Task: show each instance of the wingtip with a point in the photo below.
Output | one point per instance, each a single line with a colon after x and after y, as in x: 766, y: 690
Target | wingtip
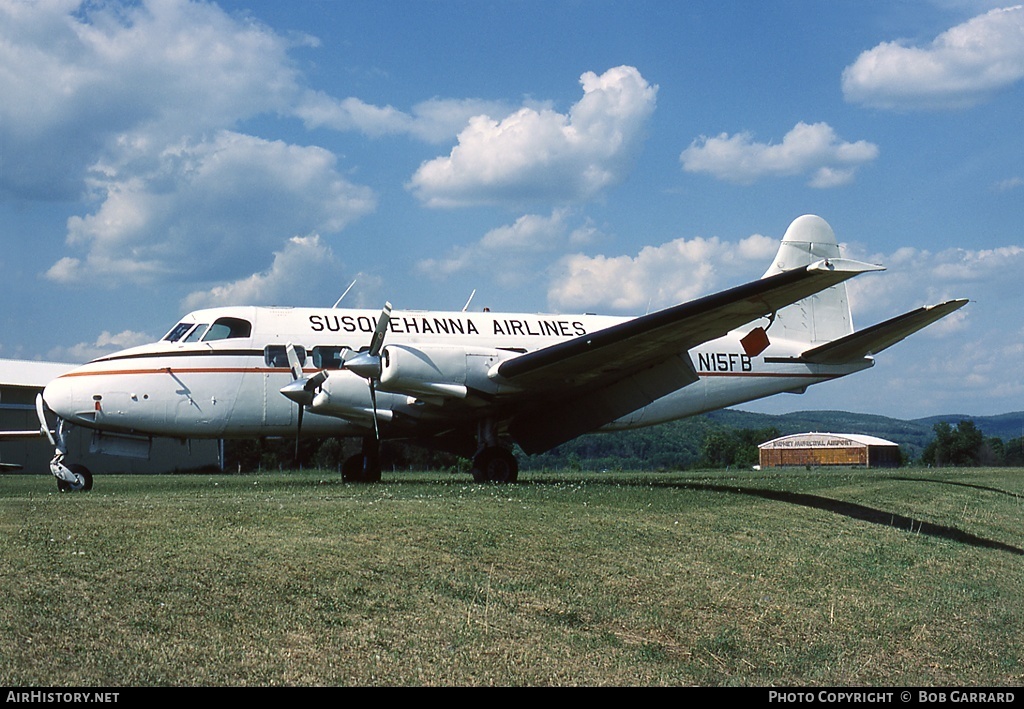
x: 844, y: 265
x: 949, y: 305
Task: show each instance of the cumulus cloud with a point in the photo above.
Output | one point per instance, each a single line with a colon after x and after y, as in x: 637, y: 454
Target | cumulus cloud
x: 658, y: 276
x: 510, y: 255
x: 78, y: 79
x: 130, y: 109
x: 813, y: 150
x: 434, y: 121
x: 916, y: 277
x: 968, y: 352
x: 304, y: 272
x: 540, y: 154
x: 684, y: 269
x: 105, y: 344
x: 207, y: 209
x: 960, y: 67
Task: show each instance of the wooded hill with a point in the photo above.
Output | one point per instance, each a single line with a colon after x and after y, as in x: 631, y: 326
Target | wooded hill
x: 681, y: 444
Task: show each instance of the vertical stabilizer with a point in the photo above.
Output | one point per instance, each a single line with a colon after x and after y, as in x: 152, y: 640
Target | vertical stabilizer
x: 822, y: 317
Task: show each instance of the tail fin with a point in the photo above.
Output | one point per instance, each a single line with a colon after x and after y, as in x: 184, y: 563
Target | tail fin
x: 822, y: 317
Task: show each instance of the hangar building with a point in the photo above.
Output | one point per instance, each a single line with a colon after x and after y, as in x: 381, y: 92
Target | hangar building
x: 21, y: 380
x: 823, y: 449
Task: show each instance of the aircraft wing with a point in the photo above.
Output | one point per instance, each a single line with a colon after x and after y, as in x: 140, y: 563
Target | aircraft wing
x: 594, y: 379
x: 879, y: 337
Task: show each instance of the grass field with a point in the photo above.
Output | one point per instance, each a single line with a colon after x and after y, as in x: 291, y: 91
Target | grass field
x: 798, y: 577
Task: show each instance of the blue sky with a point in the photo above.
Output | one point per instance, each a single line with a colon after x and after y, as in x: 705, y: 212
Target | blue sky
x: 611, y: 157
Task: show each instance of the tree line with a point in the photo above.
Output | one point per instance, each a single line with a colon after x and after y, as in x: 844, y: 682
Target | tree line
x: 965, y: 445
x: 694, y: 443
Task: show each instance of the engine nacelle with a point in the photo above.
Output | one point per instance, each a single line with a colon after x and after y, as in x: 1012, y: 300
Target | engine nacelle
x: 347, y: 396
x: 433, y: 371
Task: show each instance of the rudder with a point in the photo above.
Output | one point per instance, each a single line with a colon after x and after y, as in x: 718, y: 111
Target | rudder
x: 822, y: 317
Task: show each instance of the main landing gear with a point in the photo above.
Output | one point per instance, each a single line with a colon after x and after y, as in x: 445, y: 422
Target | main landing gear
x: 493, y: 462
x: 495, y: 465
x: 363, y: 467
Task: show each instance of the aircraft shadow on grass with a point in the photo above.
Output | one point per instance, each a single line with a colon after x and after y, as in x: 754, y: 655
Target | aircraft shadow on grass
x: 1015, y: 495
x: 861, y: 512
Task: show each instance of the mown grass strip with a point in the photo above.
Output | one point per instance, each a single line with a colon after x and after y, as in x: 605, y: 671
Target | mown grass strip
x: 908, y: 577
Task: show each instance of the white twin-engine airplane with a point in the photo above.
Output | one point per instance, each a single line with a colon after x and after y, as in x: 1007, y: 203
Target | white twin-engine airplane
x: 473, y: 383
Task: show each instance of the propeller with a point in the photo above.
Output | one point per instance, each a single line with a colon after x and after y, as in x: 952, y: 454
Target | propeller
x: 301, y: 389
x: 368, y: 364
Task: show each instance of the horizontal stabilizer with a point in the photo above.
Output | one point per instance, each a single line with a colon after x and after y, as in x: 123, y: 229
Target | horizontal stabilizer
x: 878, y: 337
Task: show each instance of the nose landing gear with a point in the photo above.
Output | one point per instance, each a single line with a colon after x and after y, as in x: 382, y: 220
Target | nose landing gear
x: 72, y: 477
x: 82, y: 478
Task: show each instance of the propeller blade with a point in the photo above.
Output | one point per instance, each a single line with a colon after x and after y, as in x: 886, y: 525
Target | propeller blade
x: 301, y: 390
x: 298, y: 432
x: 293, y: 361
x: 373, y: 401
x: 315, y: 382
x: 382, y: 327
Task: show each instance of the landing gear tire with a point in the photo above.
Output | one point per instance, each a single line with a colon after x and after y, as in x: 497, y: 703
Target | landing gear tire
x: 495, y: 465
x: 356, y: 470
x: 83, y: 480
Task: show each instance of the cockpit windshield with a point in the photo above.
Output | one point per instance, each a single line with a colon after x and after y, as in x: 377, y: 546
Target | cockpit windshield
x: 222, y: 329
x: 178, y: 331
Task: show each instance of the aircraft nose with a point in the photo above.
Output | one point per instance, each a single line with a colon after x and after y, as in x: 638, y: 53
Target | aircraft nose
x: 59, y: 397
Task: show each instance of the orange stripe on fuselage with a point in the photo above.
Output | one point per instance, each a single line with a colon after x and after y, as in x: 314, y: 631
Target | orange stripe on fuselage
x: 183, y: 370
x: 783, y: 375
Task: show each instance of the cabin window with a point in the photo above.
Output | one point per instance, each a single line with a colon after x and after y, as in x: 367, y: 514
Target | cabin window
x: 228, y: 328
x: 328, y: 357
x: 277, y: 355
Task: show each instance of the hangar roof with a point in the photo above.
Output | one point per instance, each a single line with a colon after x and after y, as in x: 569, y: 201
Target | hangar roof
x: 826, y: 440
x: 25, y: 373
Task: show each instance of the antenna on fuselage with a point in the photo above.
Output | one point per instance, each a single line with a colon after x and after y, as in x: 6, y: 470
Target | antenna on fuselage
x: 466, y: 306
x: 343, y: 295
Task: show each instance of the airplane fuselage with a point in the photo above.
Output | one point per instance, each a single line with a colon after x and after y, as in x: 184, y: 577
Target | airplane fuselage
x: 219, y: 373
